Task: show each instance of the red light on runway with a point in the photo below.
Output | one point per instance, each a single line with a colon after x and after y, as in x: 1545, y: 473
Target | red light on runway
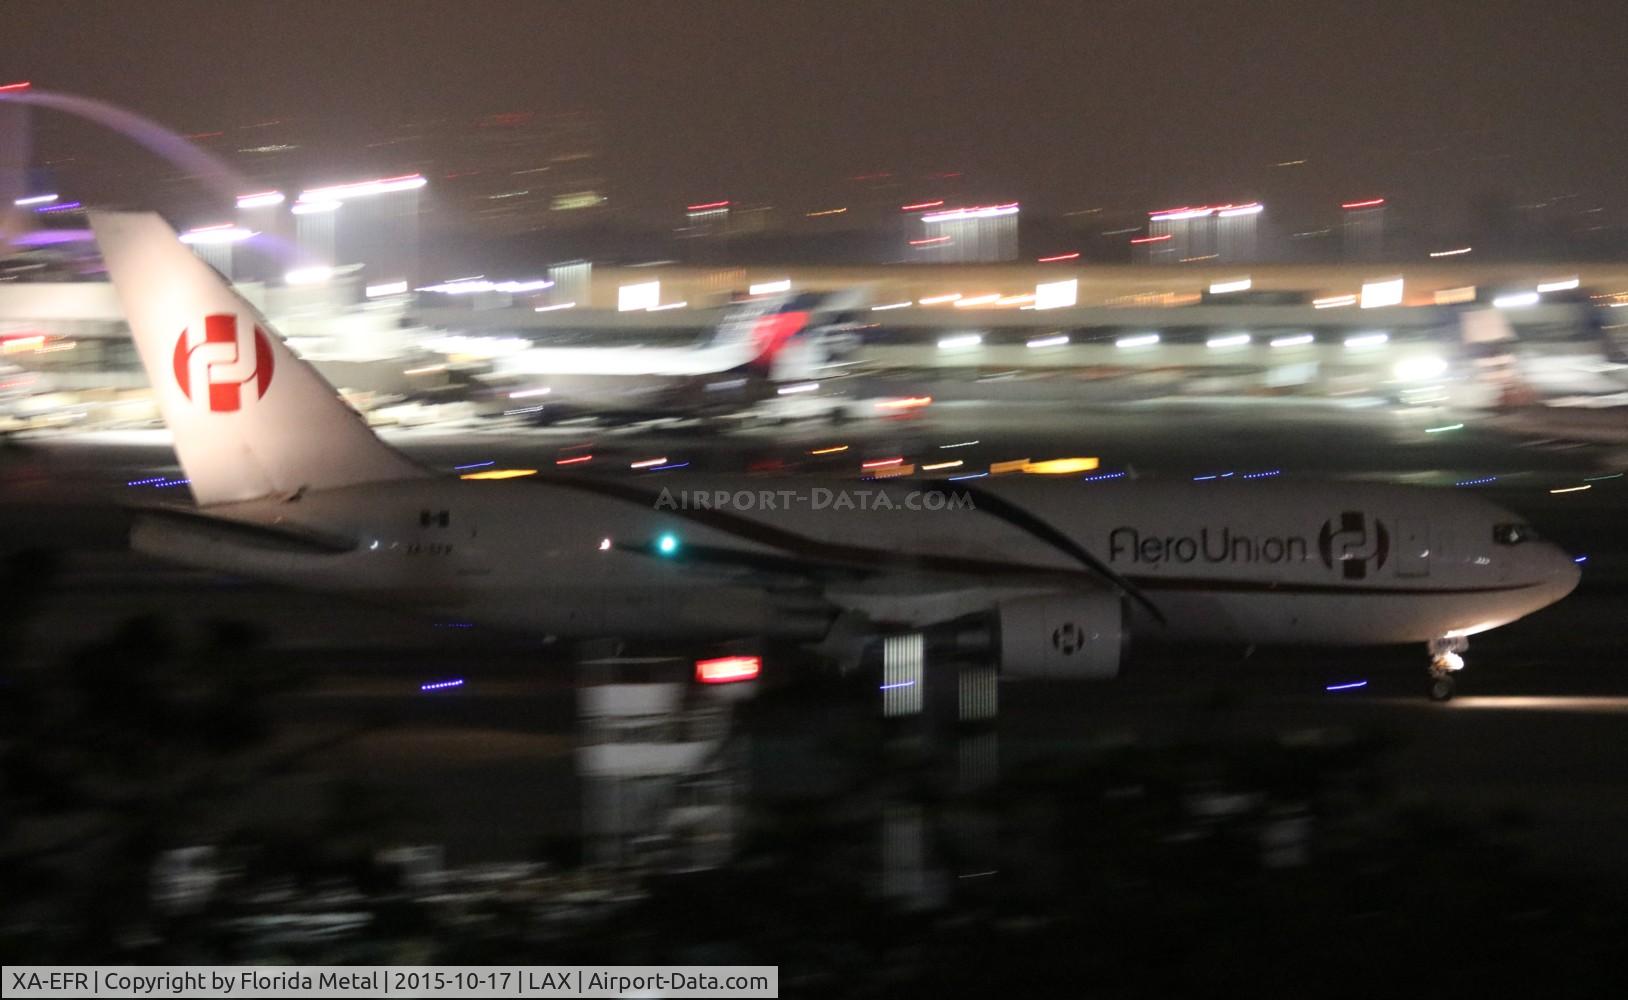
x: 901, y: 403
x: 728, y: 669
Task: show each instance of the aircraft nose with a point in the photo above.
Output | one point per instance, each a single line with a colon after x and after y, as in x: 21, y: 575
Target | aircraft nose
x: 1564, y: 571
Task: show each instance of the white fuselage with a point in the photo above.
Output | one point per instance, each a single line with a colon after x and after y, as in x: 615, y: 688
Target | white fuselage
x: 1260, y: 562
x: 723, y: 373
x: 632, y: 378
x: 659, y: 362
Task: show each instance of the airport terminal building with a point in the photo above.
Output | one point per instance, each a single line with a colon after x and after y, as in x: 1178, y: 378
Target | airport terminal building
x: 1282, y: 326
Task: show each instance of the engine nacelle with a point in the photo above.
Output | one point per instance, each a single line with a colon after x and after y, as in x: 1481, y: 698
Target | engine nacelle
x: 1062, y: 637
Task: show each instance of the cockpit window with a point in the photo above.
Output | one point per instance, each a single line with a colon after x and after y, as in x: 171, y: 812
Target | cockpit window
x: 1513, y: 534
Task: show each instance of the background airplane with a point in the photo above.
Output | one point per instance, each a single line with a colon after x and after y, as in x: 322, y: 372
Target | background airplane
x: 760, y: 345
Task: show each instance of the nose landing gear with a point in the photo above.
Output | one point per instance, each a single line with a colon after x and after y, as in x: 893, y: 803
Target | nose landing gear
x: 1445, y: 661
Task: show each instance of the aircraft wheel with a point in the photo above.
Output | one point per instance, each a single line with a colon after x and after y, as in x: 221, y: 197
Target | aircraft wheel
x: 1441, y: 687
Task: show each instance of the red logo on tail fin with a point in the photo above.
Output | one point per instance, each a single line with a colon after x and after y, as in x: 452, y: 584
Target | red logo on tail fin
x: 224, y: 357
x: 774, y: 330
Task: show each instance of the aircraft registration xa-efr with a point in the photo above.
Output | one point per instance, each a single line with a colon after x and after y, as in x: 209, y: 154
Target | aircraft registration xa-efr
x: 1044, y: 578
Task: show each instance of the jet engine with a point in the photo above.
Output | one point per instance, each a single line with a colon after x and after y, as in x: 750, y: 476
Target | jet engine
x: 1061, y: 636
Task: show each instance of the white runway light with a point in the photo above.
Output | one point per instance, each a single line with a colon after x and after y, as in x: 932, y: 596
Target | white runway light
x: 262, y: 199
x: 979, y: 212
x: 1419, y: 369
x: 640, y: 296
x: 308, y: 276
x: 207, y: 235
x: 1056, y: 294
x: 1378, y: 294
x: 1334, y: 301
x: 362, y: 189
x: 470, y: 286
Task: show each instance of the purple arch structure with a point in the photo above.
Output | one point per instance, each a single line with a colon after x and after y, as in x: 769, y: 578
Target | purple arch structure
x: 171, y: 145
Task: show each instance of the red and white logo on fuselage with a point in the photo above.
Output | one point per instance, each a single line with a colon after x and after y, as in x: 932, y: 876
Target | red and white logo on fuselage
x: 227, y: 357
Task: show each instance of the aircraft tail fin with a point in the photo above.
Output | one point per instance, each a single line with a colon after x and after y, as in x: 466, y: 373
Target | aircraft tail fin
x: 1489, y: 340
x: 250, y: 418
x: 763, y: 329
x: 1485, y: 326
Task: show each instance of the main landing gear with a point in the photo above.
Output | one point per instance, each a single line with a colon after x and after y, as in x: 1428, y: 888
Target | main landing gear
x: 1445, y: 661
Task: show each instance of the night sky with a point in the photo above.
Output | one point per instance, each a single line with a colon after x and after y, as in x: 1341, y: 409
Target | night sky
x: 1064, y: 105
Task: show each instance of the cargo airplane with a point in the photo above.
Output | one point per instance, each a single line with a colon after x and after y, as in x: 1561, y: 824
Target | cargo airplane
x: 1044, y: 578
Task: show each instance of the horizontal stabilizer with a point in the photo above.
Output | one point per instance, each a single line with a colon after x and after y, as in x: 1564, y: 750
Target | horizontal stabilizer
x: 199, y: 527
